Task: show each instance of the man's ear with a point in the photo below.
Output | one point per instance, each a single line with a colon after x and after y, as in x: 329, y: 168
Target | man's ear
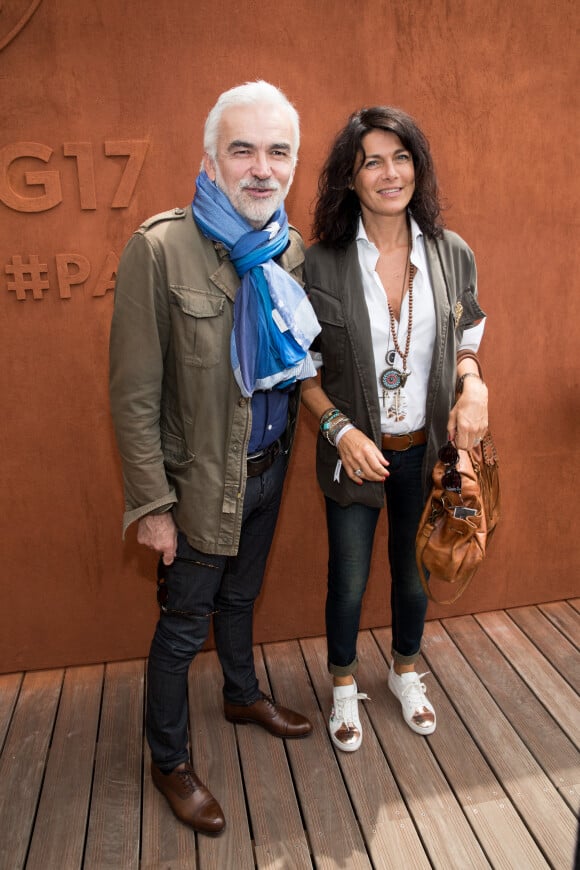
x: 209, y: 166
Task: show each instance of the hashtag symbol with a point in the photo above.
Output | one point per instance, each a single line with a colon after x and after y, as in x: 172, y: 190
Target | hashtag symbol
x: 27, y: 276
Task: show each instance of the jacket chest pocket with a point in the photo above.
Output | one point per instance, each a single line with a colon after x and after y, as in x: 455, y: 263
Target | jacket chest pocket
x: 199, y: 324
x: 332, y: 340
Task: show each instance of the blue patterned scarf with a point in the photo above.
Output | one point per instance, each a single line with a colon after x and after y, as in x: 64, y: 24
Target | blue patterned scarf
x: 274, y: 323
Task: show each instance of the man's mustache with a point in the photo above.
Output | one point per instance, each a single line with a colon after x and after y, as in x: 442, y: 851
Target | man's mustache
x: 259, y: 184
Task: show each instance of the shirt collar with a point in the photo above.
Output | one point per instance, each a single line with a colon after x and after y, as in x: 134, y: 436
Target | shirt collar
x: 361, y: 235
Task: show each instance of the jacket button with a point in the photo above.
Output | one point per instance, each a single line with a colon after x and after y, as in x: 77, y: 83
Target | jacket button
x: 243, y: 401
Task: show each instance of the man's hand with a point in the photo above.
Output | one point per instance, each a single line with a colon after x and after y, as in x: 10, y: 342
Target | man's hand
x: 159, y: 532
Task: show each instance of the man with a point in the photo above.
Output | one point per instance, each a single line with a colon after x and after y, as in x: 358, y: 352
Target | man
x: 209, y: 339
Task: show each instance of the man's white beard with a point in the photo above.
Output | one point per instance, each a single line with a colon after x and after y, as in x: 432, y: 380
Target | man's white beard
x: 255, y: 211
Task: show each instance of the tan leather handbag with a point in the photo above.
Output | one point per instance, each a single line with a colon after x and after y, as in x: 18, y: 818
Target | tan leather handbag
x: 459, y: 517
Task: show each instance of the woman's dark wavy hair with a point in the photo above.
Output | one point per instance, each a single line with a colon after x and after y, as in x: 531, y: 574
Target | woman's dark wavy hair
x: 337, y: 208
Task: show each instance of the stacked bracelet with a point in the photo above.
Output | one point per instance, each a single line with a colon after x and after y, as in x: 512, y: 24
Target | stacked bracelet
x: 331, y: 423
x: 327, y: 417
x: 342, y: 432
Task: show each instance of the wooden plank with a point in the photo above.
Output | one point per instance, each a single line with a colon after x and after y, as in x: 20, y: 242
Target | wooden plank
x: 335, y: 838
x: 503, y: 836
x: 544, y: 634
x: 23, y: 760
x: 566, y: 618
x: 443, y: 827
x: 167, y: 844
x: 394, y: 798
x: 279, y: 838
x: 390, y: 835
x: 543, y: 737
x: 114, y: 828
x: 543, y: 679
x: 551, y: 822
x: 60, y: 827
x: 215, y: 760
x: 9, y: 689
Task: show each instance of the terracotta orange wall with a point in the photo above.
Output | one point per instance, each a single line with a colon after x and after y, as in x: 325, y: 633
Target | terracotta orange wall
x: 102, y: 107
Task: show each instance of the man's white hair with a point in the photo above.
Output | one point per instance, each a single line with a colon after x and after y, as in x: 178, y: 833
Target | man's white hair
x: 251, y: 93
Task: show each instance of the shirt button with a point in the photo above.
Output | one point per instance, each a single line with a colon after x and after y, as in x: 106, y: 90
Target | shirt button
x: 269, y: 427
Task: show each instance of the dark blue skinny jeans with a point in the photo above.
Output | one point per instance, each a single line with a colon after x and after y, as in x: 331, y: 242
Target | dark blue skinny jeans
x: 351, y: 532
x: 200, y: 586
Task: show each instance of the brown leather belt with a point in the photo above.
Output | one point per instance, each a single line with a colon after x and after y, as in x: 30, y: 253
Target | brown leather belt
x: 403, y: 442
x: 260, y: 462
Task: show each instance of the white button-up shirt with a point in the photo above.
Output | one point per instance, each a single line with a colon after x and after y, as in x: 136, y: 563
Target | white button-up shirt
x: 422, y: 333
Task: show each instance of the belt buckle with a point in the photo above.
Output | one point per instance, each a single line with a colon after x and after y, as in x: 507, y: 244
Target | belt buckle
x: 408, y: 435
x: 265, y: 458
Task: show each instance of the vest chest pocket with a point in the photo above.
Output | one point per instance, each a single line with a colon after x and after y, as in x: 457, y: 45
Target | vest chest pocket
x: 332, y: 340
x: 198, y: 323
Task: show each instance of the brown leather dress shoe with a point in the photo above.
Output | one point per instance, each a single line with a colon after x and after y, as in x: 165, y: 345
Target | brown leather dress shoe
x: 276, y: 719
x: 189, y: 799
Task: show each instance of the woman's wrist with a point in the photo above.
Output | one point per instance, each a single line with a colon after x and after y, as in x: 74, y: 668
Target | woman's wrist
x: 332, y: 423
x: 461, y: 379
x: 463, y: 356
x: 346, y: 428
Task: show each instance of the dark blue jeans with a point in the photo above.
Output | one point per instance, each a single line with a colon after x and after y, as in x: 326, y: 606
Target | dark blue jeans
x: 200, y: 586
x: 351, y: 532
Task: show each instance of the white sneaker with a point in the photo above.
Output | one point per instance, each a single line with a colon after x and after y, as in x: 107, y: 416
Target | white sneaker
x: 344, y: 725
x: 418, y: 712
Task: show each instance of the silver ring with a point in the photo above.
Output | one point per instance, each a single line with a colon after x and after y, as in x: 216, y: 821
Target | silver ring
x: 358, y: 472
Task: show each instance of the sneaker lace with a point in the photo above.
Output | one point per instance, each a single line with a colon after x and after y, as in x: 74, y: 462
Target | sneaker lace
x: 346, y: 709
x: 414, y: 691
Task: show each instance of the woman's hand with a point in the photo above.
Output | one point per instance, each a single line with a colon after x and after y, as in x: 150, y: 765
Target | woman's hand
x: 468, y: 421
x: 356, y: 451
x: 359, y: 453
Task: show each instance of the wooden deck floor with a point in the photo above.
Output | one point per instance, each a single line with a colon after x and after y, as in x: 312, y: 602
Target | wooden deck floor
x: 497, y: 785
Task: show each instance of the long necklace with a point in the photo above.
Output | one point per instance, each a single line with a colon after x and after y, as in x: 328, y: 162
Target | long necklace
x: 392, y: 379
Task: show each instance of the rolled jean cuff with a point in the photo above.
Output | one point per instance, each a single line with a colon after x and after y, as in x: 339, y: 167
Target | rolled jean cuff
x: 343, y: 671
x: 405, y: 660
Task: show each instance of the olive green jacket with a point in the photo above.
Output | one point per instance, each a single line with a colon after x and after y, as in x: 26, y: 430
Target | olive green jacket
x: 181, y: 423
x: 334, y: 284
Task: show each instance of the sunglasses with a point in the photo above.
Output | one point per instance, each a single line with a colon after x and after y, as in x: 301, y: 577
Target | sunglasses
x: 449, y: 456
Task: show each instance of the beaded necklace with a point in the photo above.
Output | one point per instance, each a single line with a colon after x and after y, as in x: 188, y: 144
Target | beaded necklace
x: 392, y: 379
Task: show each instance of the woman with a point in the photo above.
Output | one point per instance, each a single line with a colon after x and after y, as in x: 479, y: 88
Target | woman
x: 396, y: 297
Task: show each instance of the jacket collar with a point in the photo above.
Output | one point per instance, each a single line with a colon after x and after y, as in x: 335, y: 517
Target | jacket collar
x: 226, y: 279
